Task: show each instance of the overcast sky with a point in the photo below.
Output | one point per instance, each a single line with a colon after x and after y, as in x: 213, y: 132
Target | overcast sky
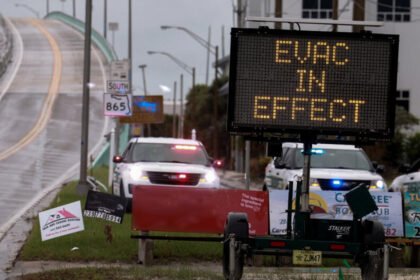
x: 148, y: 16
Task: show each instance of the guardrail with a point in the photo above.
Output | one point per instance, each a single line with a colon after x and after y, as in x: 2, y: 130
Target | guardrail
x: 79, y: 25
x: 6, y: 45
x: 103, y: 156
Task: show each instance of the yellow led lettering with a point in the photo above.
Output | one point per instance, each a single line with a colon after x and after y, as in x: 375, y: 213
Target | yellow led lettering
x: 313, y: 80
x: 301, y: 74
x: 308, y: 52
x: 295, y: 107
x: 337, y: 102
x: 357, y: 104
x: 282, y: 53
x: 321, y: 51
x: 258, y: 106
x: 315, y: 109
x: 334, y: 54
x: 276, y: 107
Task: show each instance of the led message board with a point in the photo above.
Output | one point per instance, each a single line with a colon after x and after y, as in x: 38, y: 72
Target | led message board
x: 322, y: 82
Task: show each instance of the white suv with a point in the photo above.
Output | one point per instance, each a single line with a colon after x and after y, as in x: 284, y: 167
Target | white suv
x: 333, y: 167
x: 163, y: 162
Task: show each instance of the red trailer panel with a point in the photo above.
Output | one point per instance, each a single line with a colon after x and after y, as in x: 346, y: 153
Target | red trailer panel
x: 188, y: 209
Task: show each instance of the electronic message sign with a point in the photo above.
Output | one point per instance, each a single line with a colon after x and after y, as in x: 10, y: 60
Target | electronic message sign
x: 327, y: 83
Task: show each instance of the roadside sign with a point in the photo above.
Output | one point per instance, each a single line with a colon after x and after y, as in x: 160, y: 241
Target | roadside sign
x: 119, y: 69
x: 62, y: 220
x: 146, y: 109
x: 412, y: 209
x: 117, y: 86
x: 117, y: 105
x: 105, y: 206
x: 326, y: 83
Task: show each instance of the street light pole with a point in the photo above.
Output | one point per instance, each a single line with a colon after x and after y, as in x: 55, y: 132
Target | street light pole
x: 83, y: 185
x: 105, y: 18
x: 142, y: 67
x: 174, y: 113
x: 48, y: 7
x: 181, y: 108
x: 143, y: 70
x: 213, y: 50
x: 74, y: 8
x: 35, y: 12
x: 188, y: 69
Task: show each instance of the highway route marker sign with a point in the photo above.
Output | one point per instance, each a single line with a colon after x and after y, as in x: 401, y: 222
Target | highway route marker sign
x: 118, y: 105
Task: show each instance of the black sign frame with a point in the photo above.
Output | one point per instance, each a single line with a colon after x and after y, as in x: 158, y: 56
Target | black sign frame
x: 237, y: 127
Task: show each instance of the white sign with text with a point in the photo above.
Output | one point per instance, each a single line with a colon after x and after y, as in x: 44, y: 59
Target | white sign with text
x: 332, y: 205
x: 62, y: 220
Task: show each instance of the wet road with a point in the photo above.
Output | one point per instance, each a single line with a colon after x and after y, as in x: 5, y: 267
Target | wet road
x: 40, y: 112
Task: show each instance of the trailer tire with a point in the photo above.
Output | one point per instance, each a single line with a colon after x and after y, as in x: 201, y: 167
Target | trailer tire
x: 373, y: 235
x: 372, y: 262
x: 237, y: 224
x: 372, y: 265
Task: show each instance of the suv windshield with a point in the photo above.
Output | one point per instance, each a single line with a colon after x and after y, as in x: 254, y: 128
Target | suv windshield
x: 332, y: 158
x: 155, y: 152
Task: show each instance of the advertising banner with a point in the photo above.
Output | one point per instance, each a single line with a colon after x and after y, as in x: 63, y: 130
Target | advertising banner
x: 333, y: 206
x: 62, y: 220
x: 412, y: 209
x: 105, y: 206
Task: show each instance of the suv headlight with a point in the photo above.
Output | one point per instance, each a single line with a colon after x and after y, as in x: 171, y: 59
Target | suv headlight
x: 210, y: 177
x: 377, y: 184
x: 313, y: 182
x: 137, y: 174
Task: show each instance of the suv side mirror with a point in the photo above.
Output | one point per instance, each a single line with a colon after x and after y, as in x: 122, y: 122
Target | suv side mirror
x: 117, y: 159
x: 278, y: 163
x: 218, y: 163
x: 380, y: 168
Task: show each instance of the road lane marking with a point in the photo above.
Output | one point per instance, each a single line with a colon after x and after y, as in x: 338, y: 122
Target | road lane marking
x: 53, y: 88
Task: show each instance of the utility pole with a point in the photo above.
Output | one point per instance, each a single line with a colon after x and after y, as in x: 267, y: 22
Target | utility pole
x: 278, y: 13
x: 240, y: 10
x: 215, y: 108
x: 358, y: 14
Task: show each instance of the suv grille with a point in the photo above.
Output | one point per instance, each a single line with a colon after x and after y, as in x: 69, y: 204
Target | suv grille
x: 326, y: 184
x: 169, y: 178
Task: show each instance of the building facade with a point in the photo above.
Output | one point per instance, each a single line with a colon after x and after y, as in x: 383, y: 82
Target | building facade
x: 400, y: 17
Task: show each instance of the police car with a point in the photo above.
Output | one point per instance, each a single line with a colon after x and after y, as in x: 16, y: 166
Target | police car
x: 333, y: 167
x: 162, y: 162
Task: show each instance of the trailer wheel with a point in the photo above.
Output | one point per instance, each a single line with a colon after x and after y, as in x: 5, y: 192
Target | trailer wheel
x: 373, y: 235
x: 372, y: 262
x: 237, y: 224
x: 372, y: 265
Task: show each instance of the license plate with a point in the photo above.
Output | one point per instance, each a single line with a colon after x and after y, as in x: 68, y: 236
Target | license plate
x: 307, y: 257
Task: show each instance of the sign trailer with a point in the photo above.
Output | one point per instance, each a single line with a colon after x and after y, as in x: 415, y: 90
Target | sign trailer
x: 316, y: 85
